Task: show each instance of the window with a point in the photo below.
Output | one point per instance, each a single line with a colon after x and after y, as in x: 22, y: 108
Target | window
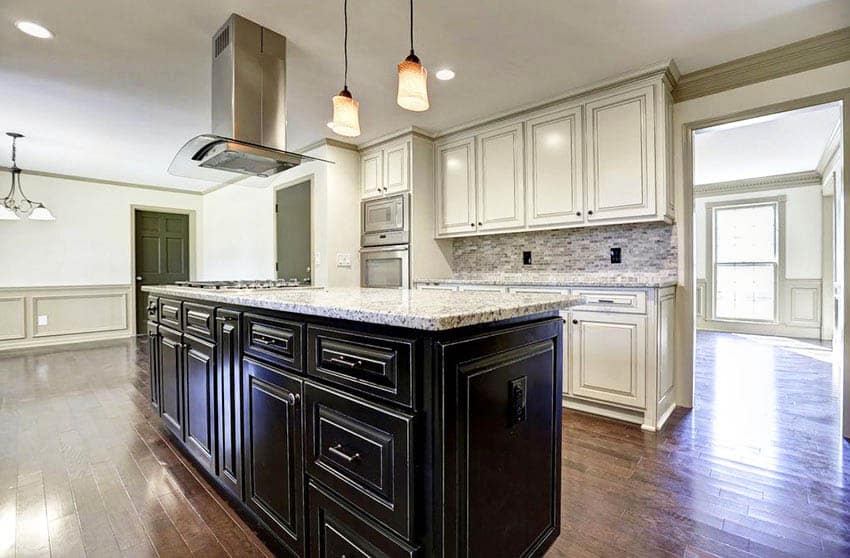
x: 746, y: 260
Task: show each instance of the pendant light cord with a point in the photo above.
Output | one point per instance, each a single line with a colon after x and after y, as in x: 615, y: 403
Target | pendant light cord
x: 345, y: 43
x: 411, y: 26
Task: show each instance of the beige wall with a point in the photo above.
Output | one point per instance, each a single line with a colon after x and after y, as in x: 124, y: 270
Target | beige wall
x: 727, y: 103
x: 90, y: 241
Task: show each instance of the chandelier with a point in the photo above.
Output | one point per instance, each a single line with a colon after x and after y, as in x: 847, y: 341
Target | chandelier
x: 13, y: 207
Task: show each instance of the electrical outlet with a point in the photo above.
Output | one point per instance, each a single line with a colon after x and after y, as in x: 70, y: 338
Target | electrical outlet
x: 343, y: 259
x: 526, y: 257
x: 616, y: 255
x: 42, y: 319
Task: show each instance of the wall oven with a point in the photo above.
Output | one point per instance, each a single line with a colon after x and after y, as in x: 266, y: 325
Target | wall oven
x: 386, y: 221
x: 385, y: 267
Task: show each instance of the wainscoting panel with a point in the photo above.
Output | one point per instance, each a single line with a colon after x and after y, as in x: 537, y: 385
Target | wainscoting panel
x: 37, y: 316
x: 13, y: 323
x: 804, y: 301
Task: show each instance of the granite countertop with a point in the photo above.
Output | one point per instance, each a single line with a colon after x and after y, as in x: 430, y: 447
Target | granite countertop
x: 415, y: 309
x: 637, y: 280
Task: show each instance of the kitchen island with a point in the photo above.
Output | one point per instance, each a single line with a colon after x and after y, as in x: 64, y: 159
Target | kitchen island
x: 369, y: 422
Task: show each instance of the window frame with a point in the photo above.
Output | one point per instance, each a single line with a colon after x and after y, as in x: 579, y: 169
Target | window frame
x: 778, y: 202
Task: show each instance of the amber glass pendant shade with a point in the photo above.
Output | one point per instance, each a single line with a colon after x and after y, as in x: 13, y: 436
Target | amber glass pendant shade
x: 346, y: 114
x: 412, y: 85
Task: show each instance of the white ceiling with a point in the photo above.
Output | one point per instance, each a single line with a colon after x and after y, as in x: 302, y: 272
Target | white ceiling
x: 125, y: 83
x: 777, y: 144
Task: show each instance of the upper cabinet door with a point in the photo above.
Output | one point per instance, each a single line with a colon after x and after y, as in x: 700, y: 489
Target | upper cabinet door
x: 554, y: 165
x: 455, y: 197
x: 501, y: 192
x: 396, y: 168
x: 621, y: 156
x: 372, y: 174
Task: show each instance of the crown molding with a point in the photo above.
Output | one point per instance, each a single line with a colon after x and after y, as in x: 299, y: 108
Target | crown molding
x: 808, y: 54
x: 329, y: 142
x: 408, y: 131
x: 759, y: 184
x: 830, y: 152
x: 107, y: 182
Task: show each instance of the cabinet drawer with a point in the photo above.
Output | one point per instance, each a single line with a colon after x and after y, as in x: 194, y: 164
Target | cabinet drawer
x: 198, y: 320
x: 152, y: 308
x: 274, y: 340
x: 170, y: 313
x: 630, y: 302
x: 374, y: 365
x: 337, y: 531
x: 364, y: 453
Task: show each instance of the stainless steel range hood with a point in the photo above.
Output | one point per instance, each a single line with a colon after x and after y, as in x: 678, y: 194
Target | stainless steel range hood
x: 248, y: 109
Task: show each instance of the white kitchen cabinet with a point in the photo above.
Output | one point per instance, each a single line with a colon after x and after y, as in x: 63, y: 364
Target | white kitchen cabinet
x: 554, y: 169
x: 608, y: 357
x: 372, y: 174
x: 396, y: 175
x: 483, y: 288
x: 621, y: 181
x: 455, y: 190
x: 385, y: 170
x: 501, y: 183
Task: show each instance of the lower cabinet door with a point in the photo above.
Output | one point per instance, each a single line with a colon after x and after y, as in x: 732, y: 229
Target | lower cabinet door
x: 153, y: 358
x: 199, y: 423
x: 229, y: 385
x: 608, y: 357
x: 337, y: 531
x: 501, y: 405
x: 274, y: 470
x: 171, y: 377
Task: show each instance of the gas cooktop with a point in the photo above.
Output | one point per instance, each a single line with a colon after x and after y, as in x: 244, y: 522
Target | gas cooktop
x: 245, y: 284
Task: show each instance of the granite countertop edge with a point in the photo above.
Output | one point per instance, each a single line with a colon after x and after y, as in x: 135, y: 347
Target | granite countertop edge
x: 636, y: 283
x: 275, y: 299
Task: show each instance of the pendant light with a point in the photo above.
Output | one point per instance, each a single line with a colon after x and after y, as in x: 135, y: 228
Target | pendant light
x: 346, y: 120
x: 412, y: 79
x: 12, y: 209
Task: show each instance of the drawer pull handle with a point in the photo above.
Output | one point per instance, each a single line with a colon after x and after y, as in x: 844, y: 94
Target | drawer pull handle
x: 337, y: 451
x: 346, y: 363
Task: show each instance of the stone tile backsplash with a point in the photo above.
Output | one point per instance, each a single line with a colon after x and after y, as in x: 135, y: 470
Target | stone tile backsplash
x: 646, y: 248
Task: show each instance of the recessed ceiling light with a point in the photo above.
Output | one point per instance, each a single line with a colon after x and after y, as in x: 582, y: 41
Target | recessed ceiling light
x: 331, y: 124
x: 34, y: 29
x: 445, y: 74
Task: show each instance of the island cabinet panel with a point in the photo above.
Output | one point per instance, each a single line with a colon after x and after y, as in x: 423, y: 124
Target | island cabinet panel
x: 367, y: 363
x: 337, y: 530
x: 364, y: 453
x: 199, y: 421
x: 274, y: 470
x: 621, y: 155
x: 155, y: 366
x: 502, y: 432
x: 274, y: 340
x: 171, y: 374
x: 171, y: 313
x: 198, y: 320
x: 229, y: 404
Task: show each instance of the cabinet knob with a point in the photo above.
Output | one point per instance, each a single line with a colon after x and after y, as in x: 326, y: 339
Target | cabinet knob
x: 590, y: 212
x: 578, y: 213
x: 292, y: 398
x: 575, y: 322
x: 472, y: 224
x: 480, y: 223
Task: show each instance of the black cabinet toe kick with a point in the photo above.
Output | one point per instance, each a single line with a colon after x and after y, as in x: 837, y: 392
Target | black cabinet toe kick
x: 347, y: 439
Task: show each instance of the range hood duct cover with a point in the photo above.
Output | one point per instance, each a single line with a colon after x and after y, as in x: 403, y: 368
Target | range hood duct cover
x: 248, y: 108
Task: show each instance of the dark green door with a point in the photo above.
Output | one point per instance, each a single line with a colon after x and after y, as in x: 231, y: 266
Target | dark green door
x: 292, y: 205
x: 162, y: 254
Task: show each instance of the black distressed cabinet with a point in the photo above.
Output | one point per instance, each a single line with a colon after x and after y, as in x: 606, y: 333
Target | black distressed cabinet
x: 339, y: 438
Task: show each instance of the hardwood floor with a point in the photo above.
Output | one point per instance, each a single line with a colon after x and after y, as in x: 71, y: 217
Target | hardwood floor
x: 757, y: 468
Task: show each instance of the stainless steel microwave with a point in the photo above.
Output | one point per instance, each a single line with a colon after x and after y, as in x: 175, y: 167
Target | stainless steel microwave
x: 386, y: 221
x: 386, y: 267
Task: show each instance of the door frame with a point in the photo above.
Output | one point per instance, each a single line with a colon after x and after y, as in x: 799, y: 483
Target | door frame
x: 311, y: 178
x: 688, y: 259
x: 193, y: 255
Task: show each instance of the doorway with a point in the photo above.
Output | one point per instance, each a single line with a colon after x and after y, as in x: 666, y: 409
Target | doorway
x: 161, y: 254
x: 293, y: 232
x: 766, y: 193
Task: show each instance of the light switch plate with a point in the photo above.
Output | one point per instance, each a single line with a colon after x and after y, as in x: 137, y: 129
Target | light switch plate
x: 343, y: 259
x: 42, y: 319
